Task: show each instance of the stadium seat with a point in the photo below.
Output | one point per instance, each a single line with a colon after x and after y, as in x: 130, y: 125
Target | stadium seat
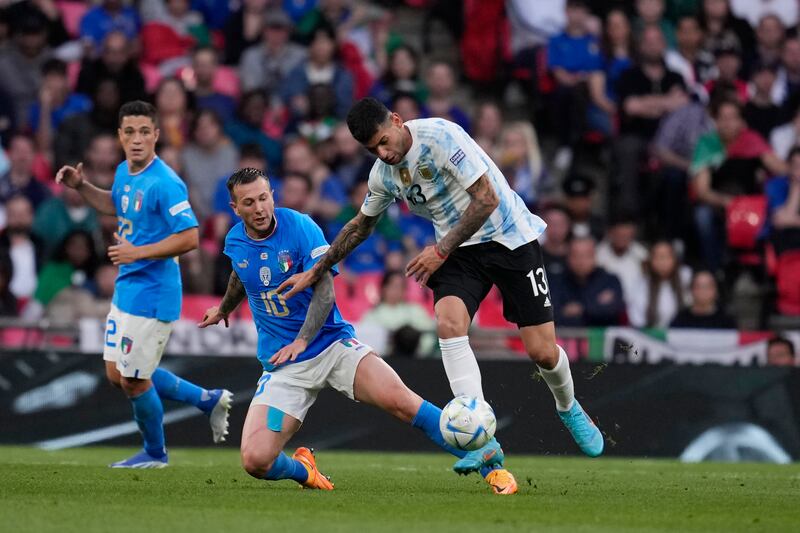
x: 490, y: 315
x: 73, y: 71
x: 195, y: 305
x: 745, y: 218
x: 226, y: 81
x: 71, y: 15
x: 152, y: 76
x: 788, y: 283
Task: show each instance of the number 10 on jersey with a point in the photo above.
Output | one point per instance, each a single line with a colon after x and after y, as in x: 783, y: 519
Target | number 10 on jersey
x: 274, y: 303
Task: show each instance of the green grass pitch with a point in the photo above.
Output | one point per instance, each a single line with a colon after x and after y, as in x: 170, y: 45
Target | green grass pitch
x: 206, y: 490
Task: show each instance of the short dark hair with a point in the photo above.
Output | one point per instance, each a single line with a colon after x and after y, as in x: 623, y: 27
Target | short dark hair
x: 365, y: 117
x: 242, y: 177
x: 781, y: 340
x: 716, y: 106
x: 138, y: 108
x: 54, y: 66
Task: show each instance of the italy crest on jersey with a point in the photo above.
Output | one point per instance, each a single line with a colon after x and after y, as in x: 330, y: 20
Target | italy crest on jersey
x: 284, y: 261
x: 137, y: 201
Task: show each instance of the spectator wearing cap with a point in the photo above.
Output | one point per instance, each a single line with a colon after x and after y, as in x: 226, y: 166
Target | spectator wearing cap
x: 620, y: 254
x: 760, y: 112
x: 571, y: 56
x: 647, y: 92
x: 689, y: 58
x: 586, y: 295
x: 321, y: 67
x: 19, y: 180
x: 205, y: 64
x: 579, y: 195
x: 116, y: 62
x: 56, y: 103
x: 244, y: 29
x: 728, y: 63
x: 725, y: 165
x: 21, y: 64
x: 110, y: 15
x: 267, y: 64
x: 780, y: 352
x: 705, y: 311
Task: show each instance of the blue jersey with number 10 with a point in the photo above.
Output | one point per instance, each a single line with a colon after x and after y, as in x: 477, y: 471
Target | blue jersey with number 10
x: 151, y: 205
x: 295, y: 245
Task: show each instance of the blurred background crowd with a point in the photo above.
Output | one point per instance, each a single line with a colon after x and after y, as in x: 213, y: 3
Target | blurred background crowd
x: 658, y: 139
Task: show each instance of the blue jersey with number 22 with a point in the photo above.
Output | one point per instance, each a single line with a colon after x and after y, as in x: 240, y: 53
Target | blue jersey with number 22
x: 295, y: 245
x: 151, y: 205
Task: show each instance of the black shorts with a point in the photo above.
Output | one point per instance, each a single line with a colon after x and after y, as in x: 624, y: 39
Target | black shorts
x: 470, y: 271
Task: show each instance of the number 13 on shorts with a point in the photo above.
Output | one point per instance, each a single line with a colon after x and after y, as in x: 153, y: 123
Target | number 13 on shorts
x: 538, y: 286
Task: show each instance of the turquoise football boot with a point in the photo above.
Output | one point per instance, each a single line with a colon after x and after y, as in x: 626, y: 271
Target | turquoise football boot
x: 490, y: 455
x: 583, y: 430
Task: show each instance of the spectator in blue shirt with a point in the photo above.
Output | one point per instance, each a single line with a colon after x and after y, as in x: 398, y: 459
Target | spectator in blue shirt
x: 205, y: 64
x: 585, y: 295
x: 109, y: 16
x: 572, y: 55
x: 55, y: 104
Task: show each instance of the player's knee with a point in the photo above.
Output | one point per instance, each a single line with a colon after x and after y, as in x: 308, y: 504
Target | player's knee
x: 448, y: 327
x: 257, y: 462
x: 544, y: 353
x: 134, y: 387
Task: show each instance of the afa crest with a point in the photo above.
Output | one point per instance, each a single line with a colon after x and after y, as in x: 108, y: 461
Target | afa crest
x: 405, y: 176
x: 425, y: 171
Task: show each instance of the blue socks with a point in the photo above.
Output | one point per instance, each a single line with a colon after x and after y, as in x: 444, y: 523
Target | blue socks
x: 284, y: 467
x: 149, y: 415
x: 171, y: 387
x: 427, y: 419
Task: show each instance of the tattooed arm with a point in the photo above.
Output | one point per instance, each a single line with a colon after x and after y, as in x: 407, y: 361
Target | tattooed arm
x: 234, y: 295
x: 318, y: 310
x: 484, y: 202
x: 352, y: 234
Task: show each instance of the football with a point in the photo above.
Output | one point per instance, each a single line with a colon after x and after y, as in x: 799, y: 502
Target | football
x: 467, y: 423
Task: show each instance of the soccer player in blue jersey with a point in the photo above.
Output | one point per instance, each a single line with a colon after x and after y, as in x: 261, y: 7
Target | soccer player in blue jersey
x: 304, y: 344
x: 155, y: 225
x: 485, y: 236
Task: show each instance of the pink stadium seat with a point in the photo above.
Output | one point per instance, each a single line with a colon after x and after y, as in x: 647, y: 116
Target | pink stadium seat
x: 745, y: 218
x: 194, y: 305
x: 71, y: 15
x: 73, y: 71
x: 152, y: 76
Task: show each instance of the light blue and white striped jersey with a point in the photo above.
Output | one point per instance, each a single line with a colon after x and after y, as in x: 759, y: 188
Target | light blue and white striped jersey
x: 433, y: 179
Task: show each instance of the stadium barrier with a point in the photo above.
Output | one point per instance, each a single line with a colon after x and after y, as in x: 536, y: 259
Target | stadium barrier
x: 61, y: 399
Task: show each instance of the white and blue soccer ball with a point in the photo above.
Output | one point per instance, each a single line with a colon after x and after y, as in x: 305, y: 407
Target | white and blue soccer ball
x: 467, y: 423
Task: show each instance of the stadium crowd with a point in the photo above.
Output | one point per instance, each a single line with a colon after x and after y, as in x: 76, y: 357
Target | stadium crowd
x: 658, y: 139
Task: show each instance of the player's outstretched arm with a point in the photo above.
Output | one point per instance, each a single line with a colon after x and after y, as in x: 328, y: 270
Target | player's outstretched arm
x: 99, y: 199
x: 352, y: 234
x: 318, y: 310
x: 234, y: 295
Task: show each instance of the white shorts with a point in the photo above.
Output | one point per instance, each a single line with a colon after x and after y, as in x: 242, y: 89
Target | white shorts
x: 293, y: 389
x: 135, y: 343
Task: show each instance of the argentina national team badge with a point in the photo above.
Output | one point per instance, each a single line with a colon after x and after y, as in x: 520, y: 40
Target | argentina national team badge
x: 124, y: 201
x: 126, y: 345
x: 405, y: 176
x: 284, y: 261
x: 425, y: 172
x: 265, y: 274
x: 137, y: 201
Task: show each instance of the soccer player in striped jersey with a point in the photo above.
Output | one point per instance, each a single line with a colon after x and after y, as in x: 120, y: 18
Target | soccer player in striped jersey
x: 485, y: 236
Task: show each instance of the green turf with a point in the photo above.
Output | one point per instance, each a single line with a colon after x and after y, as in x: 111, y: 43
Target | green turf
x: 206, y: 490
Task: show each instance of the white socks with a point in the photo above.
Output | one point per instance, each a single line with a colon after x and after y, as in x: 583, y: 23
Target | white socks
x: 559, y: 379
x: 462, y: 368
